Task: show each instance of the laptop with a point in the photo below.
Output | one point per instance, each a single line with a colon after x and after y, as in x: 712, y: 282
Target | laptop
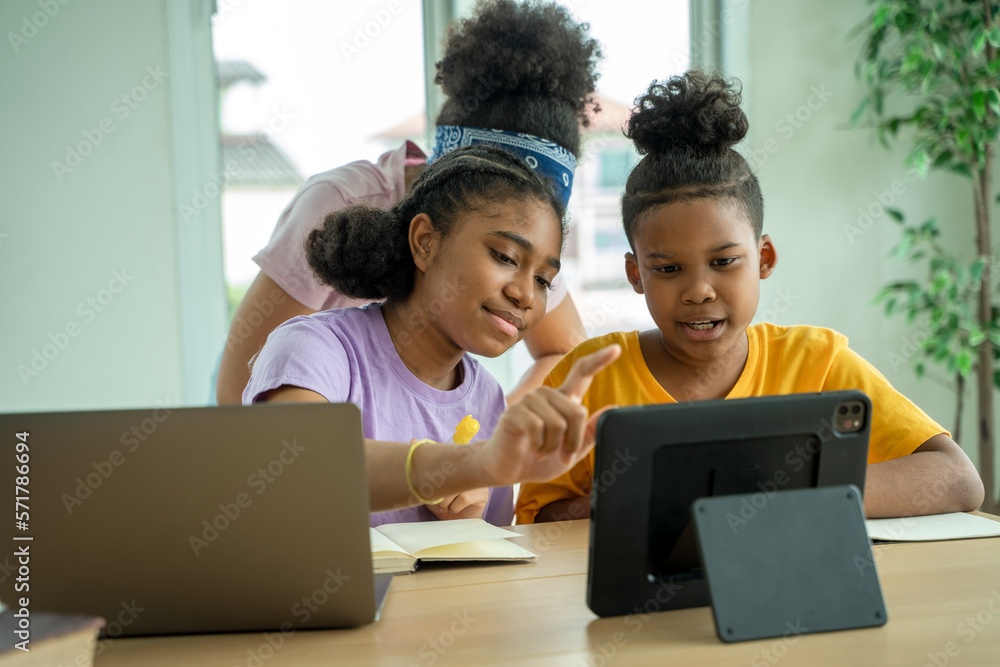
x: 190, y: 520
x: 653, y: 462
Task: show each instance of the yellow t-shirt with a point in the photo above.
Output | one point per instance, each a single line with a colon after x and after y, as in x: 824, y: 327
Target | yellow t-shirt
x: 781, y: 360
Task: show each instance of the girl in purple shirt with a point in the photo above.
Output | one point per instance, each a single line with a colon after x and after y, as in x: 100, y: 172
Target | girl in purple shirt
x: 465, y: 262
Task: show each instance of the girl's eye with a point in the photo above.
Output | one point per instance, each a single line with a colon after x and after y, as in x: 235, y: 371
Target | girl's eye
x: 544, y: 283
x: 503, y: 258
x: 725, y: 261
x: 671, y: 268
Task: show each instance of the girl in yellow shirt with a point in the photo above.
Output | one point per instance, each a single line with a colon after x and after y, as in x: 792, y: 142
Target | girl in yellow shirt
x: 693, y: 214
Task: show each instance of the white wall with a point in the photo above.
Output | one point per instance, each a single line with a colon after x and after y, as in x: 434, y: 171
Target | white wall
x: 65, y: 232
x: 816, y: 173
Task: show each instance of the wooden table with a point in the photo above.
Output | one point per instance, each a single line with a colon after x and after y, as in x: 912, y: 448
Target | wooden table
x: 943, y: 600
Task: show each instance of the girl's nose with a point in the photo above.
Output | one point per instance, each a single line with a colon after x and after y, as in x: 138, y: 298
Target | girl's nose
x: 521, y: 291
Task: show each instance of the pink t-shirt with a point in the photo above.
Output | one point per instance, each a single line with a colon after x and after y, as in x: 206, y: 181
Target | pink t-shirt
x: 380, y: 185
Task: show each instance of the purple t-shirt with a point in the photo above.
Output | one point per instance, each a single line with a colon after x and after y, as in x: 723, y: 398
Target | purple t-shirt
x: 346, y: 355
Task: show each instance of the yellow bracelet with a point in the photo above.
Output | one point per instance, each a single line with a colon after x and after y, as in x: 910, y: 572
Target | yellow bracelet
x: 409, y: 483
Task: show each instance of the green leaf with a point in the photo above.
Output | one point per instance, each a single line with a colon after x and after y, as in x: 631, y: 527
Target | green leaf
x: 976, y: 336
x: 918, y: 161
x: 979, y: 42
x: 859, y: 111
x: 895, y: 213
x: 880, y: 17
x: 964, y: 362
x: 942, y: 280
x: 976, y: 269
x: 993, y: 36
x: 942, y: 159
x: 993, y: 100
x: 963, y: 169
x: 979, y: 104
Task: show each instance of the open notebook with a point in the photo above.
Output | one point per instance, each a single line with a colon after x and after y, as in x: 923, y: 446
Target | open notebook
x: 953, y: 526
x: 397, y: 547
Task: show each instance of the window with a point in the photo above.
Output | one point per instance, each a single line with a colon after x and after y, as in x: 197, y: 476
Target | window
x: 312, y: 85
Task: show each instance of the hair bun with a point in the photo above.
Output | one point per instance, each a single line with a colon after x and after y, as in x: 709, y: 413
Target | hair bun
x: 361, y: 252
x: 697, y: 111
x: 519, y: 49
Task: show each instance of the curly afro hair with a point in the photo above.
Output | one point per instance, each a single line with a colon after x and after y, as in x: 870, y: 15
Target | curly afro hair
x: 521, y: 67
x: 686, y: 127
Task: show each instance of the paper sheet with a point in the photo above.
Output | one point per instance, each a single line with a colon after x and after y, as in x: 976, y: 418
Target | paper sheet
x: 954, y: 526
x: 417, y: 536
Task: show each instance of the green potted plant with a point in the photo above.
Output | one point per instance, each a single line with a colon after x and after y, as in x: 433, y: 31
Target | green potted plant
x: 931, y: 75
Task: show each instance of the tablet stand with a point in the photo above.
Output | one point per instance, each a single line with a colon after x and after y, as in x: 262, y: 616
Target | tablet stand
x: 788, y: 563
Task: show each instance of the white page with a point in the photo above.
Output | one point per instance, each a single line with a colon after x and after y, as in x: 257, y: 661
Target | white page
x: 381, y: 543
x: 954, y: 526
x: 420, y: 535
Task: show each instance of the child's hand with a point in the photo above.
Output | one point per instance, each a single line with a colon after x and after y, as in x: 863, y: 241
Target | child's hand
x: 465, y: 505
x: 547, y: 432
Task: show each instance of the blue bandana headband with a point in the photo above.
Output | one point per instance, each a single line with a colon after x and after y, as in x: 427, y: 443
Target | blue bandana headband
x: 545, y: 157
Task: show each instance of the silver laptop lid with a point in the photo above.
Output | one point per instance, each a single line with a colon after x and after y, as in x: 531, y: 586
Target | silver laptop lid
x: 190, y: 519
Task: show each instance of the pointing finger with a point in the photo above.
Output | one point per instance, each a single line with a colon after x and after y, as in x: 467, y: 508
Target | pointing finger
x: 580, y: 376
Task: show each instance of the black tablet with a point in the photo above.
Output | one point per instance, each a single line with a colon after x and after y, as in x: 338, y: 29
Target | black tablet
x: 652, y: 462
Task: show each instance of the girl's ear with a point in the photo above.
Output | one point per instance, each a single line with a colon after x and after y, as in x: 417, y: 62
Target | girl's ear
x: 768, y: 256
x: 632, y: 272
x: 423, y: 240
